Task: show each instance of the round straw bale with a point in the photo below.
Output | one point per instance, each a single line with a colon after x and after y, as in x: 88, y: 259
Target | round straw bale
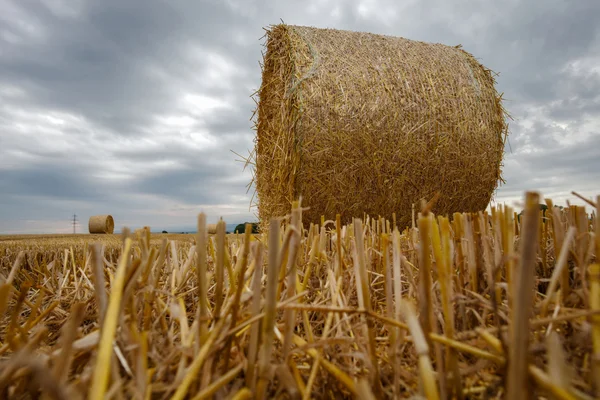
x: 212, y: 229
x: 362, y: 123
x: 101, y: 224
x: 142, y: 231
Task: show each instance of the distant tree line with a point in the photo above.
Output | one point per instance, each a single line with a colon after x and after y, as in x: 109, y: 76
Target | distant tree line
x: 241, y: 228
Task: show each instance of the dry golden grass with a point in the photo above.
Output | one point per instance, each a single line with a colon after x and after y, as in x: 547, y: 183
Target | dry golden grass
x: 479, y: 306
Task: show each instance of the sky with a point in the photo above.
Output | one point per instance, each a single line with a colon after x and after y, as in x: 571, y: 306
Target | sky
x: 138, y: 108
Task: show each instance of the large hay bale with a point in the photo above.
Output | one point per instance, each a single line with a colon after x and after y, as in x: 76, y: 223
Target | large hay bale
x: 101, y: 224
x: 362, y: 123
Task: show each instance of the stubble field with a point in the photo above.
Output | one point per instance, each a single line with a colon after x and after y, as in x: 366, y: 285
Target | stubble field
x: 472, y: 306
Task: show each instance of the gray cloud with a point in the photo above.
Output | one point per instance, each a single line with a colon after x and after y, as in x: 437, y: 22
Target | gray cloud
x: 135, y: 106
x: 54, y: 181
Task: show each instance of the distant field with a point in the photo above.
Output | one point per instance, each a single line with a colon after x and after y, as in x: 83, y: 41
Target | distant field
x: 69, y: 239
x: 45, y: 247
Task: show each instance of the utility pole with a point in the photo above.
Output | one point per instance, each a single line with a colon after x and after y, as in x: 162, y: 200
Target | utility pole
x: 74, y: 223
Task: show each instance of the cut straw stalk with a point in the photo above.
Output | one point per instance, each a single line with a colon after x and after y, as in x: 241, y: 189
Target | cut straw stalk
x: 425, y: 307
x: 508, y: 241
x: 334, y: 289
x: 460, y: 261
x: 194, y: 369
x: 264, y: 362
x: 561, y: 264
x: 542, y: 242
x: 397, y: 277
x: 142, y: 374
x: 597, y: 228
x: 340, y: 256
x: 15, y: 267
x: 5, y: 296
x: 364, y: 390
x: 595, y: 320
x: 109, y: 328
x: 68, y: 335
x: 558, y: 233
x: 220, y: 267
x: 335, y: 371
x: 519, y: 338
x: 39, y: 379
x: 201, y: 271
x: 223, y: 380
x: 34, y: 310
x: 242, y: 394
x: 395, y: 311
x: 314, y: 257
x: 595, y: 302
x: 426, y: 372
x: 290, y: 315
x: 471, y: 257
x: 254, y: 334
x: 22, y: 353
x: 445, y: 279
x: 557, y: 383
x: 241, y: 272
x: 287, y: 381
x: 364, y: 300
x: 427, y: 319
x: 496, y: 248
x: 543, y: 380
x: 100, y: 290
x: 389, y: 290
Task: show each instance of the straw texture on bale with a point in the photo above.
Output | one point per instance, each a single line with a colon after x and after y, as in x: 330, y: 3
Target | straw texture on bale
x: 101, y: 224
x: 361, y: 123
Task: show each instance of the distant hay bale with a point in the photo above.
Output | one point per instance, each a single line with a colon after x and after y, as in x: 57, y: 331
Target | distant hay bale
x: 142, y: 231
x: 101, y: 224
x: 212, y: 229
x: 362, y: 123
